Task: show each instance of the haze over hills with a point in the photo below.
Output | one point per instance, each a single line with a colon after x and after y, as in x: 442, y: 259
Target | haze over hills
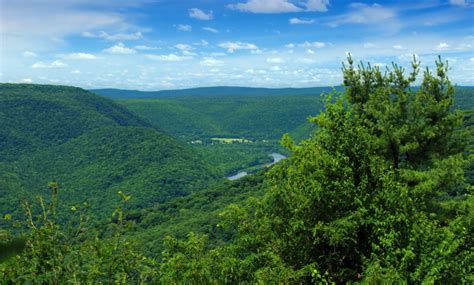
x: 212, y: 91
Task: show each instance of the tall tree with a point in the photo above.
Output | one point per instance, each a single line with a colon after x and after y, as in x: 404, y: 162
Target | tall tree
x: 361, y: 198
x: 364, y: 199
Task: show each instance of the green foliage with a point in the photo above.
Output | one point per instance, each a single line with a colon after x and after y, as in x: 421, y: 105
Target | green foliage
x: 469, y: 126
x: 56, y: 254
x: 377, y: 194
x: 260, y: 114
x: 37, y: 116
x: 92, y: 146
x: 368, y: 198
x: 228, y: 159
x: 251, y: 117
x: 197, y: 212
x: 221, y: 91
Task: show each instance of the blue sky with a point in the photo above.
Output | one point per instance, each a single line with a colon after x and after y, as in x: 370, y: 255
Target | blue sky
x: 164, y: 44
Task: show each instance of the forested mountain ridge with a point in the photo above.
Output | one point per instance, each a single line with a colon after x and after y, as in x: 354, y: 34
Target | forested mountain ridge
x: 35, y: 116
x: 262, y: 119
x: 91, y: 146
x: 376, y: 194
x: 212, y: 91
x: 253, y: 113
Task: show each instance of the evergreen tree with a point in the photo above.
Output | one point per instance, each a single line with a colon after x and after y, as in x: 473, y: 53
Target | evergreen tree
x: 365, y: 199
x: 362, y: 199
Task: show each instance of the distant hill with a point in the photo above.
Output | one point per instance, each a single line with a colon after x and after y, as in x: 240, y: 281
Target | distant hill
x: 212, y: 91
x: 92, y: 146
x: 254, y: 113
x: 37, y: 116
x: 464, y: 98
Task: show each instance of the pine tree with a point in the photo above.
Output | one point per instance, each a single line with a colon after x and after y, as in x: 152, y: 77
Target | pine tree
x: 365, y: 197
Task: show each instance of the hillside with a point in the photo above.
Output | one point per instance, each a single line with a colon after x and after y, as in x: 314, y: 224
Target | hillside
x: 258, y: 114
x: 92, y: 146
x: 378, y: 192
x: 247, y: 116
x: 254, y: 113
x: 37, y: 116
x: 213, y: 91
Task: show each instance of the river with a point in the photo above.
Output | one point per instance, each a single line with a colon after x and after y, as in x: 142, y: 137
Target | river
x: 276, y: 158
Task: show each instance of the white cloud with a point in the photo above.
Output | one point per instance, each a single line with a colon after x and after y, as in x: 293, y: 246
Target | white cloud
x: 266, y: 7
x: 442, y: 46
x: 297, y: 21
x: 119, y: 49
x: 364, y: 14
x: 317, y: 5
x: 76, y: 71
x: 312, y: 44
x: 143, y: 47
x: 310, y: 51
x: 54, y: 64
x: 29, y: 54
x: 280, y: 6
x: 184, y: 28
x: 275, y: 60
x: 472, y: 59
x: 169, y: 57
x: 233, y: 46
x: 47, y: 19
x: 114, y: 37
x: 398, y: 47
x: 290, y: 45
x: 79, y: 55
x: 200, y: 14
x: 209, y: 61
x: 211, y: 30
x: 27, y: 80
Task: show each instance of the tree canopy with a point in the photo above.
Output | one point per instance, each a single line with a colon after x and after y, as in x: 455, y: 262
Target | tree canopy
x: 376, y: 194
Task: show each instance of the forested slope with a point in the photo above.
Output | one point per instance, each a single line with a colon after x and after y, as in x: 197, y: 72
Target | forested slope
x: 247, y: 116
x: 221, y: 91
x: 377, y: 194
x: 254, y: 113
x: 92, y: 147
x: 261, y: 115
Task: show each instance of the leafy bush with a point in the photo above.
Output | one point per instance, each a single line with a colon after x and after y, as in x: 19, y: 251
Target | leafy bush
x: 56, y: 254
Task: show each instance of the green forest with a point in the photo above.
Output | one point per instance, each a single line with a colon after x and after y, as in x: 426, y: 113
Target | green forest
x: 125, y: 187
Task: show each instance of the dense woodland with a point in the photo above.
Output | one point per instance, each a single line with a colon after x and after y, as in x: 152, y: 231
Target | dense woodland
x: 377, y: 188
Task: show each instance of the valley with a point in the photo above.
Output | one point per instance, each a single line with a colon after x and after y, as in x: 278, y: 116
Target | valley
x: 182, y: 160
x: 236, y: 142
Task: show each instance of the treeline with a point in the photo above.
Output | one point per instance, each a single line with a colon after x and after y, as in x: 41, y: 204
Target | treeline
x: 93, y: 147
x: 245, y: 116
x: 376, y: 195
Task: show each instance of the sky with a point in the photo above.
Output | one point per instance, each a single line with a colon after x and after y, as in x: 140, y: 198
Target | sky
x: 174, y: 44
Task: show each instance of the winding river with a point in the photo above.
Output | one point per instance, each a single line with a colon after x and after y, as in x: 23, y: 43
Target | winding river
x: 276, y: 158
